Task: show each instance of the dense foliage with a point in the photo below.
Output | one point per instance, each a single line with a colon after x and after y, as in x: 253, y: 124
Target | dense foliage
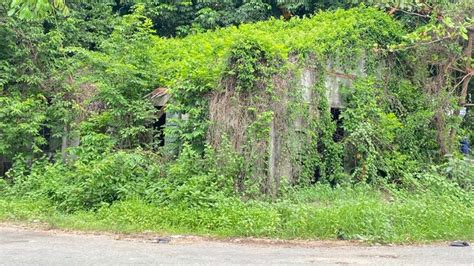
x: 78, y: 129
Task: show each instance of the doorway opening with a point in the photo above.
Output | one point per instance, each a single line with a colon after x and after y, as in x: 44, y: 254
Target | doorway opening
x: 336, y: 117
x: 159, y: 126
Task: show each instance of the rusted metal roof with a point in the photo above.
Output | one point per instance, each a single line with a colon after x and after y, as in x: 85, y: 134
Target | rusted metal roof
x: 158, y: 96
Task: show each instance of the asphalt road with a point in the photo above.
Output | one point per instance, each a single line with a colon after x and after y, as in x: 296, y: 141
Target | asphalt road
x: 38, y: 247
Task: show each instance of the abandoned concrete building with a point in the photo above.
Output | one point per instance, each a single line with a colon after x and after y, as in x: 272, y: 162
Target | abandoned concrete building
x: 276, y: 157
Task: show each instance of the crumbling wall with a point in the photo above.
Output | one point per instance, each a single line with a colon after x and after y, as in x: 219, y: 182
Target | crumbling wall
x: 293, y: 104
x: 233, y: 116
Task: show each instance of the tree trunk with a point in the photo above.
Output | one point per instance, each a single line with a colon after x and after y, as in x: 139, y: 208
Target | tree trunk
x: 469, y: 72
x: 285, y: 12
x: 442, y: 133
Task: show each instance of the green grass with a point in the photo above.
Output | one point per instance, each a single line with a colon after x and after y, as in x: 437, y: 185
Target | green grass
x: 316, y: 213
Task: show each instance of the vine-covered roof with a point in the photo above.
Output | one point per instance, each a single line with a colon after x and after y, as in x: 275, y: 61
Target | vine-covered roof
x: 201, y: 58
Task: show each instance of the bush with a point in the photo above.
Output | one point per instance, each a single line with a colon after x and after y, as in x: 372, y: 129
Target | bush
x: 101, y: 176
x: 133, y: 191
x: 460, y: 171
x: 196, y: 180
x: 88, y: 184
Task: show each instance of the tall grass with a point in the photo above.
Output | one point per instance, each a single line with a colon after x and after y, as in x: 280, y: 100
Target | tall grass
x: 320, y: 212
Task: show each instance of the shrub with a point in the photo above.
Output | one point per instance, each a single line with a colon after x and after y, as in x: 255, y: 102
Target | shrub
x: 102, y: 176
x: 88, y: 184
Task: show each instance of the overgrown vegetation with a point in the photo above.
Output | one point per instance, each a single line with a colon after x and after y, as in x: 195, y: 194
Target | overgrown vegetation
x: 343, y: 124
x: 320, y: 212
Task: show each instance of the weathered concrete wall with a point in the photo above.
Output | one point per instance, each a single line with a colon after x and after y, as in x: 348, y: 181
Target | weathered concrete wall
x: 282, y: 152
x: 336, y: 79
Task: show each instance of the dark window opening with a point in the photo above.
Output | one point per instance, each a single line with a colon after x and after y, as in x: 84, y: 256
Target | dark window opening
x: 433, y: 70
x: 159, y: 126
x: 337, y: 137
x: 46, y: 134
x: 316, y: 175
x: 5, y: 165
x: 336, y: 116
x: 50, y: 144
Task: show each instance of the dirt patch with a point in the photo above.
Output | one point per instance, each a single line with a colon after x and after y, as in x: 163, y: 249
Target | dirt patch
x: 152, y: 237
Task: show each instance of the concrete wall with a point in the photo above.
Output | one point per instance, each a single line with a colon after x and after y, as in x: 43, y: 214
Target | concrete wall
x: 279, y: 158
x: 280, y: 165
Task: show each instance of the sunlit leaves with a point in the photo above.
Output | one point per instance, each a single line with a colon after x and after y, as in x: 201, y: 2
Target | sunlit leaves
x: 37, y: 9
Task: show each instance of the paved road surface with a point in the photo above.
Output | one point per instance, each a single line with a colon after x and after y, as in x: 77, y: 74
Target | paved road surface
x: 25, y: 246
